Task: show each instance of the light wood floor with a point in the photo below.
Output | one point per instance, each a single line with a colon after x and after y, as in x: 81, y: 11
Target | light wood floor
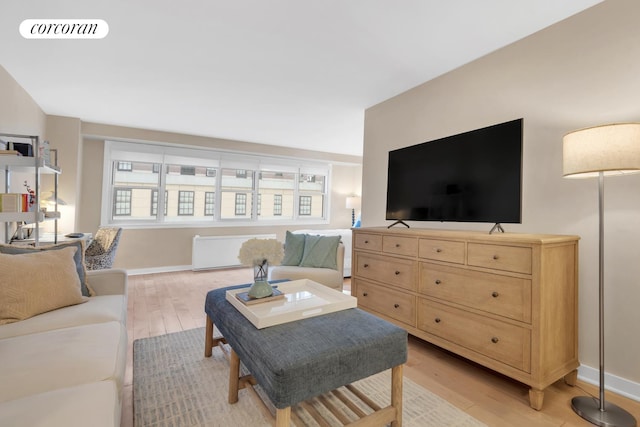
x: 172, y: 302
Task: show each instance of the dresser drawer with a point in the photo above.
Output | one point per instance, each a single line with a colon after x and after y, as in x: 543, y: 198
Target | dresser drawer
x: 393, y: 271
x: 372, y: 242
x: 501, y: 295
x: 500, y: 257
x: 508, y: 344
x: 400, y: 245
x: 397, y: 305
x: 442, y: 250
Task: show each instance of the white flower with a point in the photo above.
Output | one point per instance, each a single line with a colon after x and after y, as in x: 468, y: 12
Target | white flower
x: 258, y: 251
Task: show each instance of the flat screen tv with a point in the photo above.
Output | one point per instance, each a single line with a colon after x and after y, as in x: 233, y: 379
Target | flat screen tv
x: 475, y: 176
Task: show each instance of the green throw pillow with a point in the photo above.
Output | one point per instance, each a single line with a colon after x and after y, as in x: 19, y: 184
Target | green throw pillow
x: 293, y: 248
x: 320, y: 252
x: 78, y: 258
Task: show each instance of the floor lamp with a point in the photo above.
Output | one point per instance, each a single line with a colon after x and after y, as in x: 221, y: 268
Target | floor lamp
x: 598, y: 152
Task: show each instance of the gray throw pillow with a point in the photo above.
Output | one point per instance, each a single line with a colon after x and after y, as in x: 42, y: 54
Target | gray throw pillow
x: 293, y: 248
x: 320, y: 252
x: 78, y: 258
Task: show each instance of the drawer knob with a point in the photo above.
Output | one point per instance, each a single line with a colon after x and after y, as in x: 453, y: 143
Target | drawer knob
x: 364, y: 294
x: 495, y: 294
x: 397, y: 273
x: 396, y: 305
x: 438, y: 250
x: 366, y: 266
x: 438, y: 282
x: 437, y: 320
x: 366, y: 242
x: 495, y: 257
x: 495, y: 340
x: 397, y: 245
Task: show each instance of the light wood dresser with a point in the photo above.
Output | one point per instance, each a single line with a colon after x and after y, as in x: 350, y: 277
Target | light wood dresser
x: 506, y: 301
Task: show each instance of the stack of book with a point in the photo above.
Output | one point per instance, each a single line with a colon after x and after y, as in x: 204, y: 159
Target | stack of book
x: 17, y: 202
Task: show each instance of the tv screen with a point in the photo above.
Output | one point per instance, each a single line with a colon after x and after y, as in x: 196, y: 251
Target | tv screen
x: 475, y: 176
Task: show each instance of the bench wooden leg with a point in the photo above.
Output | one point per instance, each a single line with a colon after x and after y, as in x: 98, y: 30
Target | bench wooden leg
x: 208, y: 339
x: 396, y: 394
x: 283, y: 417
x: 234, y: 377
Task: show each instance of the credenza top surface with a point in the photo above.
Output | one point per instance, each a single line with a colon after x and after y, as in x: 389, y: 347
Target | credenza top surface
x: 483, y: 236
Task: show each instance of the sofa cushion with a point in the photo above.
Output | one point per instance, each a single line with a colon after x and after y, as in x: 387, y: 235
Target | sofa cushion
x: 320, y: 252
x: 37, y: 282
x: 78, y: 258
x: 293, y: 248
x: 94, y: 404
x: 324, y: 276
x: 42, y: 362
x: 98, y: 309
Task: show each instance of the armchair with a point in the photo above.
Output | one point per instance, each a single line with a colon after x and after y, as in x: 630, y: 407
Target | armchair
x: 102, y: 250
x: 326, y: 276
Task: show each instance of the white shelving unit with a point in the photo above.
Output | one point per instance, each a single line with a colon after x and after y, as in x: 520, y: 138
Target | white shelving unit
x: 29, y: 165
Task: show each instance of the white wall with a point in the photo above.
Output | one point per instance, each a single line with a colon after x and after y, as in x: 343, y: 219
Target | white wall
x: 581, y: 72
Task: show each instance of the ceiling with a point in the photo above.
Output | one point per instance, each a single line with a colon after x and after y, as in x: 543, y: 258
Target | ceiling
x: 295, y: 73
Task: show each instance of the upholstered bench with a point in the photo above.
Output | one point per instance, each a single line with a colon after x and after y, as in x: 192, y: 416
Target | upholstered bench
x: 296, y: 361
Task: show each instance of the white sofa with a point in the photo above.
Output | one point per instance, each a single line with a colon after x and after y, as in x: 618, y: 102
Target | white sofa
x: 66, y: 367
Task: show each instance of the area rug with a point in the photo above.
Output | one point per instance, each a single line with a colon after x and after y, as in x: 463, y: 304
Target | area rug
x: 175, y: 385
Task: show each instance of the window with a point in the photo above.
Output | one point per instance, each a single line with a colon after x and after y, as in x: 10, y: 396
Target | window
x: 122, y: 202
x: 187, y: 170
x: 241, y: 204
x: 138, y: 180
x: 204, y: 186
x: 305, y: 205
x: 313, y: 192
x: 185, y: 202
x: 154, y: 203
x: 234, y: 189
x: 277, y: 191
x: 209, y: 203
x: 186, y: 187
x: 125, y: 166
x: 277, y: 204
x: 259, y: 204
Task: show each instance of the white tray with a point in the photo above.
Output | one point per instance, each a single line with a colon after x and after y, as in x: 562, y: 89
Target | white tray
x: 303, y: 298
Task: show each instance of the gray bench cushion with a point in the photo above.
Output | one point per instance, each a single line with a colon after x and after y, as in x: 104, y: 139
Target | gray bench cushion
x: 295, y: 361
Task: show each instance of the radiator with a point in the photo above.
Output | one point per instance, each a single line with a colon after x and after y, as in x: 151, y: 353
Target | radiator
x: 219, y: 251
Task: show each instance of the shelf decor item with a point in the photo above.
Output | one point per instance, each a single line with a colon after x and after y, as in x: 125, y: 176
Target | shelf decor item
x: 598, y: 152
x: 259, y: 253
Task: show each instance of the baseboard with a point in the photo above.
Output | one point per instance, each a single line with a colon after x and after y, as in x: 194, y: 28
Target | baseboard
x: 153, y: 270
x: 613, y: 383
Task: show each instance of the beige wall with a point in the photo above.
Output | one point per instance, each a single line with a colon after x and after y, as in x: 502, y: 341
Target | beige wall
x: 578, y: 73
x: 162, y: 248
x: 19, y: 115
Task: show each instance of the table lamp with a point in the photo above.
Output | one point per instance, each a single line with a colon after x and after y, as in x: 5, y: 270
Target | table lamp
x: 353, y: 203
x: 598, y: 152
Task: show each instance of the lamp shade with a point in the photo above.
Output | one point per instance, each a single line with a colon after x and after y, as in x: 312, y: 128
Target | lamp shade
x: 353, y: 202
x: 612, y: 149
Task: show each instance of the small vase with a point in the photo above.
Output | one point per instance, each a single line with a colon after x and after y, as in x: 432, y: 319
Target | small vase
x: 260, y: 288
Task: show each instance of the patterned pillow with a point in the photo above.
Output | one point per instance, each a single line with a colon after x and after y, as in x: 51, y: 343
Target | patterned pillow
x: 78, y: 258
x: 293, y: 248
x: 320, y: 252
x: 37, y: 282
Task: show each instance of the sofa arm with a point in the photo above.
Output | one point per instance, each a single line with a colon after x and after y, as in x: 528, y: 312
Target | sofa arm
x: 112, y: 281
